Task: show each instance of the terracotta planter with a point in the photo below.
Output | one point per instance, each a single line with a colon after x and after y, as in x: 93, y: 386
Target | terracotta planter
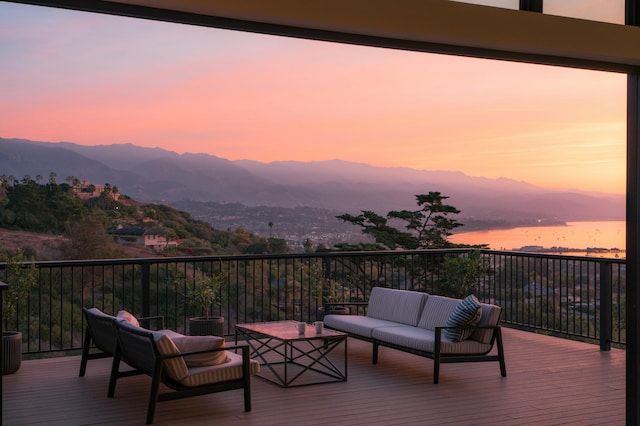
x: 201, y: 326
x: 11, y: 351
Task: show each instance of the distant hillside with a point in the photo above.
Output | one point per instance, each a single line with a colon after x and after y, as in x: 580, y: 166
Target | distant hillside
x: 157, y: 175
x: 81, y: 222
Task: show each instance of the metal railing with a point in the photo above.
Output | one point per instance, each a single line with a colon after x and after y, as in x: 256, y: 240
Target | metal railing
x: 573, y: 297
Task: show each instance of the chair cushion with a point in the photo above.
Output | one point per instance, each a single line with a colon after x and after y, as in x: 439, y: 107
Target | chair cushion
x: 126, y: 316
x: 175, y: 368
x: 231, y: 370
x: 467, y: 313
x: 201, y: 343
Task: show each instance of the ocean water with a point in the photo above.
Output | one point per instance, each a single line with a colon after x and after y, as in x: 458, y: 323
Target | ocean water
x: 575, y: 235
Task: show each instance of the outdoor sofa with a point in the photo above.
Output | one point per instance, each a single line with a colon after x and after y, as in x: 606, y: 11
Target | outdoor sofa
x: 441, y: 328
x: 187, y: 365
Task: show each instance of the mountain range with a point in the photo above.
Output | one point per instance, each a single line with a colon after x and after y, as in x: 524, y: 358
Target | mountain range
x: 158, y: 175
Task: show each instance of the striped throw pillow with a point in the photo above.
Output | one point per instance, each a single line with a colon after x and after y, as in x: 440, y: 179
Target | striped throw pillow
x: 467, y: 313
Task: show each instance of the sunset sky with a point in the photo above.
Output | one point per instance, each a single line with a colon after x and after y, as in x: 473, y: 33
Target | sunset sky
x: 95, y: 79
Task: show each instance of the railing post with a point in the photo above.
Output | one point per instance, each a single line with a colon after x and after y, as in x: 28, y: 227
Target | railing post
x: 3, y: 287
x: 605, y: 306
x: 146, y: 289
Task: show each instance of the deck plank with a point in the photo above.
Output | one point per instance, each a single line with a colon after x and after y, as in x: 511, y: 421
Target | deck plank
x: 550, y: 381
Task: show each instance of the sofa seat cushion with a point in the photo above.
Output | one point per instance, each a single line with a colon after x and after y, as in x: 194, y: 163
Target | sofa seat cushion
x: 201, y: 343
x: 467, y: 313
x: 425, y: 340
x: 230, y: 370
x: 357, y: 324
x: 399, y: 306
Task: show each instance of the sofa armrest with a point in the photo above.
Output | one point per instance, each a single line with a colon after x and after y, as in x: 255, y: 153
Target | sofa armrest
x: 438, y: 332
x: 329, y: 305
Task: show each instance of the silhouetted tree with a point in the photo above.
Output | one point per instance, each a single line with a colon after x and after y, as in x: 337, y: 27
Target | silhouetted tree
x: 427, y: 227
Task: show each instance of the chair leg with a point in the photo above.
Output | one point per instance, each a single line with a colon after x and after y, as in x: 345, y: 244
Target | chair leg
x: 246, y: 378
x: 115, y: 367
x: 85, y: 352
x: 153, y: 394
x: 436, y: 356
x: 375, y: 352
x: 503, y: 366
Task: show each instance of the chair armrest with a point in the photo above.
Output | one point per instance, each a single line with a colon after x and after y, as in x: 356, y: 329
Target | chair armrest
x: 222, y: 348
x: 159, y: 322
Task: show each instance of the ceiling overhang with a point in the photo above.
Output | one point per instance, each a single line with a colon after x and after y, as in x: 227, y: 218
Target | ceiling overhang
x: 438, y: 26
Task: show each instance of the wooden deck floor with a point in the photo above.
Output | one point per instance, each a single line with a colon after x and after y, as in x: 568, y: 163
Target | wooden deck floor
x: 549, y: 381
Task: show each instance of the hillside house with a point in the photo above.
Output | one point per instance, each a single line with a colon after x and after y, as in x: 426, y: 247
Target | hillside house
x: 86, y: 190
x: 153, y: 238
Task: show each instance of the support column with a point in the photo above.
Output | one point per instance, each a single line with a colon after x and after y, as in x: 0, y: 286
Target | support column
x: 633, y: 250
x: 632, y: 17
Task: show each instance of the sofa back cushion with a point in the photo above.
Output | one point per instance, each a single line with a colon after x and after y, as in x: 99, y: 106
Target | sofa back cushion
x: 437, y: 311
x: 396, y: 305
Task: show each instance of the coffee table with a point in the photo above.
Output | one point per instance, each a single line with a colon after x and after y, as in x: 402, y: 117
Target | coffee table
x: 292, y: 359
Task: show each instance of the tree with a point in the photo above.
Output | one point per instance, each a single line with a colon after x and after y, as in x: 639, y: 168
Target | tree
x: 427, y: 227
x: 88, y: 239
x: 22, y: 278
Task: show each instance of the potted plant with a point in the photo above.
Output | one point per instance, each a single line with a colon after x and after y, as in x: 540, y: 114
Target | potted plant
x: 329, y: 291
x: 21, y: 279
x: 205, y: 294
